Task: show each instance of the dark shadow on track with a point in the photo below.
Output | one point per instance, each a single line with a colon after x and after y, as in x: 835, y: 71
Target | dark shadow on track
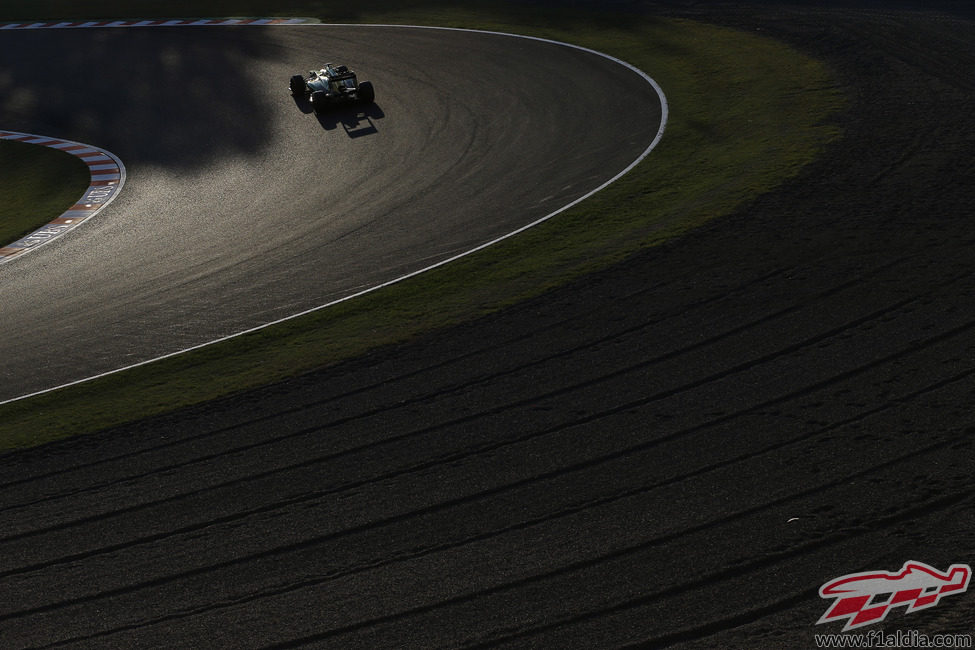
x: 303, y: 103
x: 356, y: 121
x: 170, y: 77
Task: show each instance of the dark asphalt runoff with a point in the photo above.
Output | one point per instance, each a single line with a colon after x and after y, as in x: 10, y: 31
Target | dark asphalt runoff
x: 242, y: 207
x: 676, y: 452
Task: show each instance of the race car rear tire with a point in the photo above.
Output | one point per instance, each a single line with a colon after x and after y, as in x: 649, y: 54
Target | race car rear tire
x: 297, y: 85
x: 366, y: 93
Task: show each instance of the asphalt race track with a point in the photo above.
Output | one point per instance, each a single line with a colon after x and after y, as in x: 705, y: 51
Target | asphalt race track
x: 676, y: 462
x: 241, y: 207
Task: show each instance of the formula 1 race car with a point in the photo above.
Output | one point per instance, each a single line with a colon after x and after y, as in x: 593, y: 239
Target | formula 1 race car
x: 333, y: 85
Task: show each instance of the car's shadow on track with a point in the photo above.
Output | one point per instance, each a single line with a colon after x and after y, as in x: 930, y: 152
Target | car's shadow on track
x: 356, y: 121
x: 303, y: 103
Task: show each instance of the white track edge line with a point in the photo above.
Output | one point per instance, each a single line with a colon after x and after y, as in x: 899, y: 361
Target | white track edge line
x: 664, y: 115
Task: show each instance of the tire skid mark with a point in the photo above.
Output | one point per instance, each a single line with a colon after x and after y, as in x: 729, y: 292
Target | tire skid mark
x: 107, y: 176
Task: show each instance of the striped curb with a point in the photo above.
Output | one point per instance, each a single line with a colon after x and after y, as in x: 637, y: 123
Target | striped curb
x: 205, y: 22
x: 107, y: 177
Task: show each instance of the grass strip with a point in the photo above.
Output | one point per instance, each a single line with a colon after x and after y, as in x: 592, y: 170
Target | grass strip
x: 39, y: 184
x: 747, y: 113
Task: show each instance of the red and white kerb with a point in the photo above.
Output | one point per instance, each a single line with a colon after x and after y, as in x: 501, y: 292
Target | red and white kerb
x: 107, y: 175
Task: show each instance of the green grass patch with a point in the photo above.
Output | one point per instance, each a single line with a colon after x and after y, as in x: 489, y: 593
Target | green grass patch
x: 747, y: 114
x: 39, y: 184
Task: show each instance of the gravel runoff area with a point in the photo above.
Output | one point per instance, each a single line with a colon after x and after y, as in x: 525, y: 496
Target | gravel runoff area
x: 677, y: 451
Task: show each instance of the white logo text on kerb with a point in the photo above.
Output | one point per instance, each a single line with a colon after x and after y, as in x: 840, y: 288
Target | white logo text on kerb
x: 866, y: 598
x: 99, y: 194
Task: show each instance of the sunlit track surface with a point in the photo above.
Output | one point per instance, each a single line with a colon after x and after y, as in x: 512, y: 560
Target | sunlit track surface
x: 680, y: 450
x: 241, y: 207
